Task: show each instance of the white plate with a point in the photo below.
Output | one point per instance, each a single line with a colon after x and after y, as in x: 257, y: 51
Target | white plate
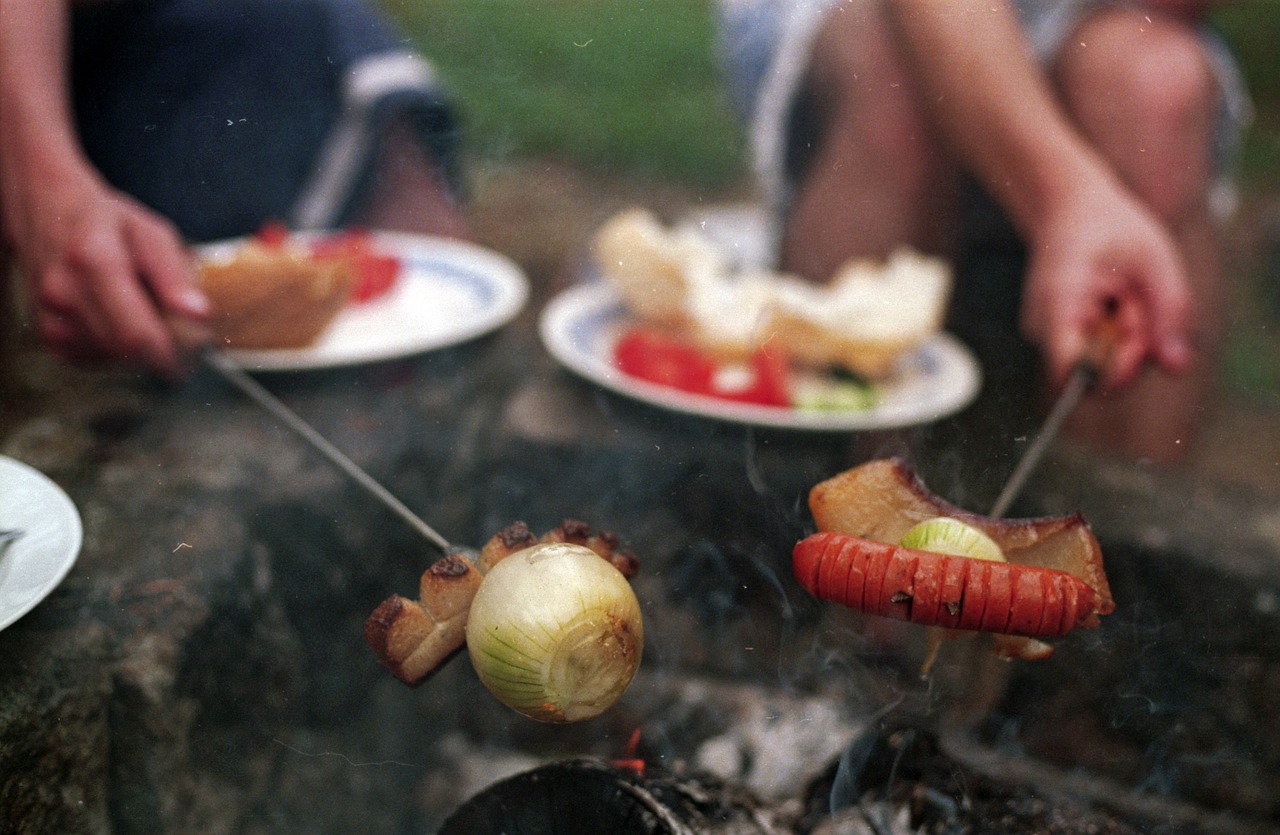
x: 37, y: 562
x: 580, y: 326
x: 449, y: 292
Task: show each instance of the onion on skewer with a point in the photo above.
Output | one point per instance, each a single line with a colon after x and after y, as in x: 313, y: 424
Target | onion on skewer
x: 555, y: 633
x: 587, y: 605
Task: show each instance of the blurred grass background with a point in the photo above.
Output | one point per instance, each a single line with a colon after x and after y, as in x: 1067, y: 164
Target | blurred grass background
x: 618, y: 86
x: 631, y: 88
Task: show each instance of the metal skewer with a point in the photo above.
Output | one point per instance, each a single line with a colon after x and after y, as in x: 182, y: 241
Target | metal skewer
x: 250, y: 387
x: 1104, y: 337
x: 1077, y: 384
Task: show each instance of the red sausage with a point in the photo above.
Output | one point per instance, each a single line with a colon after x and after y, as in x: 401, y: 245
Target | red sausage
x: 934, y: 589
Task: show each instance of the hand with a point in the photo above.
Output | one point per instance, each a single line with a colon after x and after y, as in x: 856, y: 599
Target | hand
x: 1104, y: 256
x: 108, y: 278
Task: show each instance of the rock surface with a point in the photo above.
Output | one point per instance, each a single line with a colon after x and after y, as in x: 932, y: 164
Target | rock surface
x: 202, y: 668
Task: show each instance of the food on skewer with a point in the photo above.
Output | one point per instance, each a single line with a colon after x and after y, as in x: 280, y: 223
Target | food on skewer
x: 1021, y: 579
x: 555, y: 632
x: 413, y: 638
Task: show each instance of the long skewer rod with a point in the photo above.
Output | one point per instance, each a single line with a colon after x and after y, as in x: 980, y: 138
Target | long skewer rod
x: 1077, y: 384
x: 254, y: 390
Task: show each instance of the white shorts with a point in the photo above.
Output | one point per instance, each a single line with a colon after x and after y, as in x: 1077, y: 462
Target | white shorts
x: 765, y: 47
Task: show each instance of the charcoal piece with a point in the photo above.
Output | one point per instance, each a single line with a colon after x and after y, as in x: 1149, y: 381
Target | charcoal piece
x: 589, y: 797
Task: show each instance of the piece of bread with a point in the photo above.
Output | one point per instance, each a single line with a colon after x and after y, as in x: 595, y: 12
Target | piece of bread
x: 274, y: 296
x: 652, y: 267
x: 414, y: 638
x: 868, y: 316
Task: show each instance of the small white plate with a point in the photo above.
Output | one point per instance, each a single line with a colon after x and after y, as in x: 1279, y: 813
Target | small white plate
x: 580, y: 326
x: 448, y: 292
x: 37, y: 562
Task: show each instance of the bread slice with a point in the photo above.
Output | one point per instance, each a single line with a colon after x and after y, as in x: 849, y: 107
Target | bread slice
x: 274, y: 296
x: 868, y: 316
x: 653, y: 267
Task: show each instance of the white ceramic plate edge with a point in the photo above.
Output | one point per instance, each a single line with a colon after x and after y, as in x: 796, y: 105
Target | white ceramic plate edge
x: 48, y: 570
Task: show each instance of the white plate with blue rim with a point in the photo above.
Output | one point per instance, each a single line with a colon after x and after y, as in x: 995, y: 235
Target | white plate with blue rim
x: 448, y: 292
x: 581, y: 325
x: 35, y: 562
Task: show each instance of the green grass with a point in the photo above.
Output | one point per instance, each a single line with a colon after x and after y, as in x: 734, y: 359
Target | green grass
x: 1251, y: 364
x: 1252, y: 28
x: 612, y: 85
x: 1251, y: 357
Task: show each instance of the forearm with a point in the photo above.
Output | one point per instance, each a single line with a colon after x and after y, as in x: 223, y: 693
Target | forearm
x: 38, y: 145
x: 994, y: 106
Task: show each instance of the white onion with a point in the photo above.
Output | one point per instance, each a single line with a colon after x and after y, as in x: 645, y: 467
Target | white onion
x: 555, y: 633
x: 945, y: 535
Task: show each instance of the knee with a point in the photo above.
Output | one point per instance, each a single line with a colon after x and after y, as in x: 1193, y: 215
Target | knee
x: 1151, y: 108
x: 1174, y: 96
x: 1170, y: 86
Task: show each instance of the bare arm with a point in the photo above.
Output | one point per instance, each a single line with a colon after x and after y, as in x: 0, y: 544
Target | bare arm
x: 1091, y: 243
x: 108, y: 277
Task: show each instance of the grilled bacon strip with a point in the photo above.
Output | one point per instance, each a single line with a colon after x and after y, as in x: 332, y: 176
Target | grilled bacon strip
x: 414, y: 638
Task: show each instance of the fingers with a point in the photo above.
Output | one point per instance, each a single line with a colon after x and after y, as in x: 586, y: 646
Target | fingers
x: 66, y: 335
x: 1151, y: 314
x: 1170, y: 312
x: 93, y: 304
x: 1118, y: 316
x: 1119, y: 343
x: 167, y: 267
x: 168, y: 271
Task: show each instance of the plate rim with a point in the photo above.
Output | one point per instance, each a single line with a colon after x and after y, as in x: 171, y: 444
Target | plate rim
x: 61, y: 567
x: 591, y: 296
x: 502, y: 272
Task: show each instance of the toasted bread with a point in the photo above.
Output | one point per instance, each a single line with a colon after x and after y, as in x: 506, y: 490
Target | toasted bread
x: 274, y: 296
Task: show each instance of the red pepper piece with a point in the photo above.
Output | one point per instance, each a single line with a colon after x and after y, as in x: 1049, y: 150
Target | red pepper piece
x: 771, y: 385
x: 658, y: 358
x: 376, y: 272
x: 272, y: 233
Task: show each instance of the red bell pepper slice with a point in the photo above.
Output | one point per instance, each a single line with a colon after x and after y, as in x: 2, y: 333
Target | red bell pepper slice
x: 376, y: 272
x: 771, y: 383
x: 273, y: 234
x: 655, y: 357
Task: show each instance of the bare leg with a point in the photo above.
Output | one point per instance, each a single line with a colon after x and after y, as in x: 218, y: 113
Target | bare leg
x: 1140, y: 86
x: 878, y: 177
x: 410, y: 194
x: 8, y: 321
